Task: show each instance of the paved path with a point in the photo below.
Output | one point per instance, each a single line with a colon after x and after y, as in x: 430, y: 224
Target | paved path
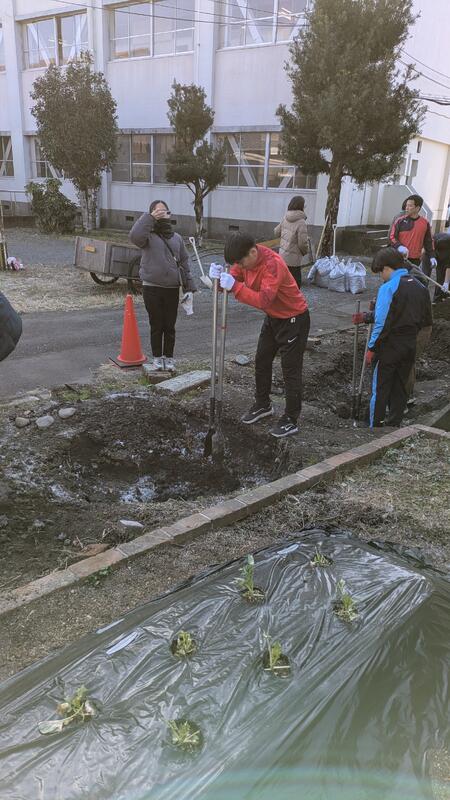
x: 64, y: 347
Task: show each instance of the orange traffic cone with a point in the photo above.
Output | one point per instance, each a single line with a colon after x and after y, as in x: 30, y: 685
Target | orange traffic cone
x: 131, y: 354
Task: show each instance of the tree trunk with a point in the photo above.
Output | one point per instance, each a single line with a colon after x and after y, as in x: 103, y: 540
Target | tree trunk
x: 88, y: 204
x: 198, y: 210
x: 332, y: 209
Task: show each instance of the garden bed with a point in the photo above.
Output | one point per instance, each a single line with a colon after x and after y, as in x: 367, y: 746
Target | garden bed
x: 340, y: 724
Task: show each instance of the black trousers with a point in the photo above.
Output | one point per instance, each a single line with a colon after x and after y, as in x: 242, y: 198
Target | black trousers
x: 390, y: 381
x: 162, y: 310
x: 296, y: 272
x: 443, y: 264
x: 289, y: 336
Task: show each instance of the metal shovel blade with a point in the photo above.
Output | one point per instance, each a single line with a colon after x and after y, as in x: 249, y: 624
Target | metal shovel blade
x: 205, y: 279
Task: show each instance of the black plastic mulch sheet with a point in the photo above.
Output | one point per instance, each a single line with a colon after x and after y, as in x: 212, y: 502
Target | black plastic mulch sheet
x: 359, y: 718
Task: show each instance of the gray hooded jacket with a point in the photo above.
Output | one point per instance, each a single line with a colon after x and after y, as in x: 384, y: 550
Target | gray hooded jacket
x: 158, y: 266
x: 293, y: 235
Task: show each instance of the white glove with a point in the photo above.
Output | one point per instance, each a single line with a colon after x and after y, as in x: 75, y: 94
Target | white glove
x: 403, y: 250
x: 187, y: 301
x: 226, y: 281
x: 445, y: 287
x: 433, y: 262
x: 215, y: 271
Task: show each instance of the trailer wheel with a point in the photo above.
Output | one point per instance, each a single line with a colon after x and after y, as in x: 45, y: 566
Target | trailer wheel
x: 103, y: 281
x: 134, y: 283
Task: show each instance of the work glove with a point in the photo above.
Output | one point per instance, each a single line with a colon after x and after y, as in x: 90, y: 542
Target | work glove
x: 226, y: 281
x: 403, y: 250
x: 365, y: 317
x: 370, y: 355
x: 433, y: 262
x: 215, y: 271
x: 445, y: 287
x: 187, y: 301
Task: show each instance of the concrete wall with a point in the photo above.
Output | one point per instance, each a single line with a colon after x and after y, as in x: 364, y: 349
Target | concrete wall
x: 245, y: 85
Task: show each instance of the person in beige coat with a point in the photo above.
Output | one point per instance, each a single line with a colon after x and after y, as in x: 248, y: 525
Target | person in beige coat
x: 293, y: 235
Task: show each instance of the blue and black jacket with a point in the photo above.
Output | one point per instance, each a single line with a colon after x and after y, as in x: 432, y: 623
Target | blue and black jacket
x: 403, y: 307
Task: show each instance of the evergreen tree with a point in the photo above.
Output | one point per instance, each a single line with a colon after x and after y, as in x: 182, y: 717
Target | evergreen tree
x: 76, y: 125
x: 353, y: 110
x: 193, y: 161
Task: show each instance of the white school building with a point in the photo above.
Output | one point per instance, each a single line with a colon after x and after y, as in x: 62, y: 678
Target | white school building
x: 236, y: 50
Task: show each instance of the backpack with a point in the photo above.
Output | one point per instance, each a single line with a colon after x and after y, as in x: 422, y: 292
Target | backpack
x: 10, y: 327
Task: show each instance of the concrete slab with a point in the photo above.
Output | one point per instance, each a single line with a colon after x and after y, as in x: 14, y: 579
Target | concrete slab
x: 185, y: 382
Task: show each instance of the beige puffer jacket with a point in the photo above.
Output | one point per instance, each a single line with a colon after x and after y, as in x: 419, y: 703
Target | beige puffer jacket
x: 293, y: 235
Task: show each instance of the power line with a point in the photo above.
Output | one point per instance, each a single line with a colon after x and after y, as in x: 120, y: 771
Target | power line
x: 437, y: 114
x: 214, y: 14
x: 424, y: 76
x: 440, y: 101
x: 421, y: 63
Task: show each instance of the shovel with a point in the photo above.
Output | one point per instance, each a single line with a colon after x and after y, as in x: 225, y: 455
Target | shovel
x: 207, y: 450
x: 361, y: 380
x: 355, y: 362
x: 218, y: 441
x: 205, y: 279
x: 418, y: 272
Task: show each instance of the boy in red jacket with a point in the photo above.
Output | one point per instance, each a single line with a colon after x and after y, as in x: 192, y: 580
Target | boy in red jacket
x: 260, y: 278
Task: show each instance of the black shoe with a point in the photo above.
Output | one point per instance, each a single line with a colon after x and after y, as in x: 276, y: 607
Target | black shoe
x: 255, y: 413
x: 284, y: 427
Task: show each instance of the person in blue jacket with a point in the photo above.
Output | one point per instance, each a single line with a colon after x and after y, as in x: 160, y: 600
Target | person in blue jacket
x: 402, y: 309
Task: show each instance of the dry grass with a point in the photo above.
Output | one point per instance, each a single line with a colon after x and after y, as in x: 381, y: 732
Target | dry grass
x: 403, y: 498
x: 58, y: 288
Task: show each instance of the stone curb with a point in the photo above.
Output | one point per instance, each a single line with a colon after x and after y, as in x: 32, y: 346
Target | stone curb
x: 214, y: 517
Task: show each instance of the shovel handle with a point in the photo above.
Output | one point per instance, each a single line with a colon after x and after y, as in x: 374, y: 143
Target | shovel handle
x: 214, y: 340
x: 194, y: 247
x: 223, y: 330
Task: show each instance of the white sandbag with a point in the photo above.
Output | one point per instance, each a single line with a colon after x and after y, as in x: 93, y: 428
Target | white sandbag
x: 336, y: 278
x: 355, y: 277
x: 320, y: 270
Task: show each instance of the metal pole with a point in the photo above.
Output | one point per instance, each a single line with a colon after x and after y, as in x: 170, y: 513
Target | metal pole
x: 355, y: 361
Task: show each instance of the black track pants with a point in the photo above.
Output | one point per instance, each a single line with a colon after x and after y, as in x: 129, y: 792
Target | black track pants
x: 162, y: 309
x: 289, y: 336
x: 390, y: 384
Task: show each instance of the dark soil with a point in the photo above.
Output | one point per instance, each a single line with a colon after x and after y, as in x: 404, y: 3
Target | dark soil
x: 139, y: 457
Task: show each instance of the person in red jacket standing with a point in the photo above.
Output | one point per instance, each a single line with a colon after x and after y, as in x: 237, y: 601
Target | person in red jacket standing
x: 410, y: 233
x: 260, y: 278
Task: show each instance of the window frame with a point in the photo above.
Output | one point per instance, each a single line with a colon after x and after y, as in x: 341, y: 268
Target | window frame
x: 56, y: 19
x: 131, y: 181
x: 50, y: 171
x: 2, y: 48
x: 224, y: 27
x: 5, y: 150
x: 179, y: 27
x: 309, y: 179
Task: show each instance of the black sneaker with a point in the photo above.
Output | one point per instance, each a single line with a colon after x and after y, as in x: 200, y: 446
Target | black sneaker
x: 255, y: 413
x: 284, y: 427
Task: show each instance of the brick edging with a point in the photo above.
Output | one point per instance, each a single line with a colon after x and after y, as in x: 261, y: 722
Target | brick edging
x: 218, y: 516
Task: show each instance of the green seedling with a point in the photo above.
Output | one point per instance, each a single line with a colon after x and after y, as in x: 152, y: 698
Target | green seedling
x: 185, y: 734
x: 345, y: 606
x: 246, y: 582
x: 97, y: 578
x: 320, y: 560
x: 184, y: 645
x: 275, y: 659
x: 75, y: 709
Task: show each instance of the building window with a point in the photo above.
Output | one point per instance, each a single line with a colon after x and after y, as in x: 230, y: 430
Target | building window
x: 152, y: 29
x: 141, y: 157
x: 419, y: 146
x: 40, y: 167
x: 253, y: 160
x: 271, y: 21
x: 56, y: 40
x: 281, y: 175
x: 2, y: 49
x: 6, y: 157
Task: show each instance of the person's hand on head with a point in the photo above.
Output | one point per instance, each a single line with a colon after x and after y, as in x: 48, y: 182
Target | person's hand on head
x: 159, y: 213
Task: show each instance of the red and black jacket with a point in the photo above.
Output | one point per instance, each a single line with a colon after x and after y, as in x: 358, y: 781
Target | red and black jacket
x: 414, y: 234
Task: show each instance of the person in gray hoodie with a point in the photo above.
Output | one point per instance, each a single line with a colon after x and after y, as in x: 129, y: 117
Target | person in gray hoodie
x: 164, y: 268
x: 293, y: 235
